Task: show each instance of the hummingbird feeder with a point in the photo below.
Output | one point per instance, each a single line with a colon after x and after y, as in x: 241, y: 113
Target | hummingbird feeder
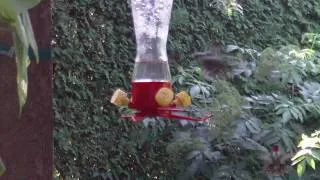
x: 151, y: 87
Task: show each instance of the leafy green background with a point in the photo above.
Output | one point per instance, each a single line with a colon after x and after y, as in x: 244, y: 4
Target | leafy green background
x: 94, y: 53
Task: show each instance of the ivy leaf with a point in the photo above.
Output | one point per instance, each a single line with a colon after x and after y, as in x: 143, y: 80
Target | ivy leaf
x: 297, y: 160
x: 315, y: 154
x: 300, y: 153
x: 194, y: 91
x: 286, y: 116
x: 308, y: 142
x: 294, y: 113
x: 181, y: 80
x: 253, y: 125
x: 22, y: 63
x: 231, y: 48
x: 30, y: 35
x: 301, y: 168
x: 287, y: 141
x: 15, y: 14
x: 302, y: 113
x: 311, y: 163
x: 310, y: 91
x: 250, y: 144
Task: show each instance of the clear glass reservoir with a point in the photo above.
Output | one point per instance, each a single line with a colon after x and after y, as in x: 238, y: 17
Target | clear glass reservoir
x: 151, y: 22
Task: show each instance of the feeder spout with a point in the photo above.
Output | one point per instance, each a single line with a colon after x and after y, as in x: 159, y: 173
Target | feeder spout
x: 164, y: 97
x: 182, y: 99
x: 120, y: 98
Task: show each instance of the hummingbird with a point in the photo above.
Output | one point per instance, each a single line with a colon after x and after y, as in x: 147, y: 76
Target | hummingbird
x: 219, y: 61
x: 213, y: 61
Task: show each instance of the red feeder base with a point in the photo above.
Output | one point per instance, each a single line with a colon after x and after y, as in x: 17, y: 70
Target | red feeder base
x: 166, y: 113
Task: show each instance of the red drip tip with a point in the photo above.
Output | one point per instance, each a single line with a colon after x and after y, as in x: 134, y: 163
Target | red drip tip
x: 275, y: 149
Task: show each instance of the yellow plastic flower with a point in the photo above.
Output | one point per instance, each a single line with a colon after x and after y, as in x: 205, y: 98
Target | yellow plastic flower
x: 164, y: 96
x: 182, y: 99
x: 119, y: 98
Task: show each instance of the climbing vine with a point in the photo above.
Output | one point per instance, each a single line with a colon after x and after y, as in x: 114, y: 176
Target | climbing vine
x: 94, y: 53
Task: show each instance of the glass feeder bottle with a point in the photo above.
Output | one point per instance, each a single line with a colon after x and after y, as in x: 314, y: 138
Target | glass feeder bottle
x: 151, y: 70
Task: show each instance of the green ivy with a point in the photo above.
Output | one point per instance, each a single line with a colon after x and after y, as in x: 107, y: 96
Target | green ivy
x: 94, y: 53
